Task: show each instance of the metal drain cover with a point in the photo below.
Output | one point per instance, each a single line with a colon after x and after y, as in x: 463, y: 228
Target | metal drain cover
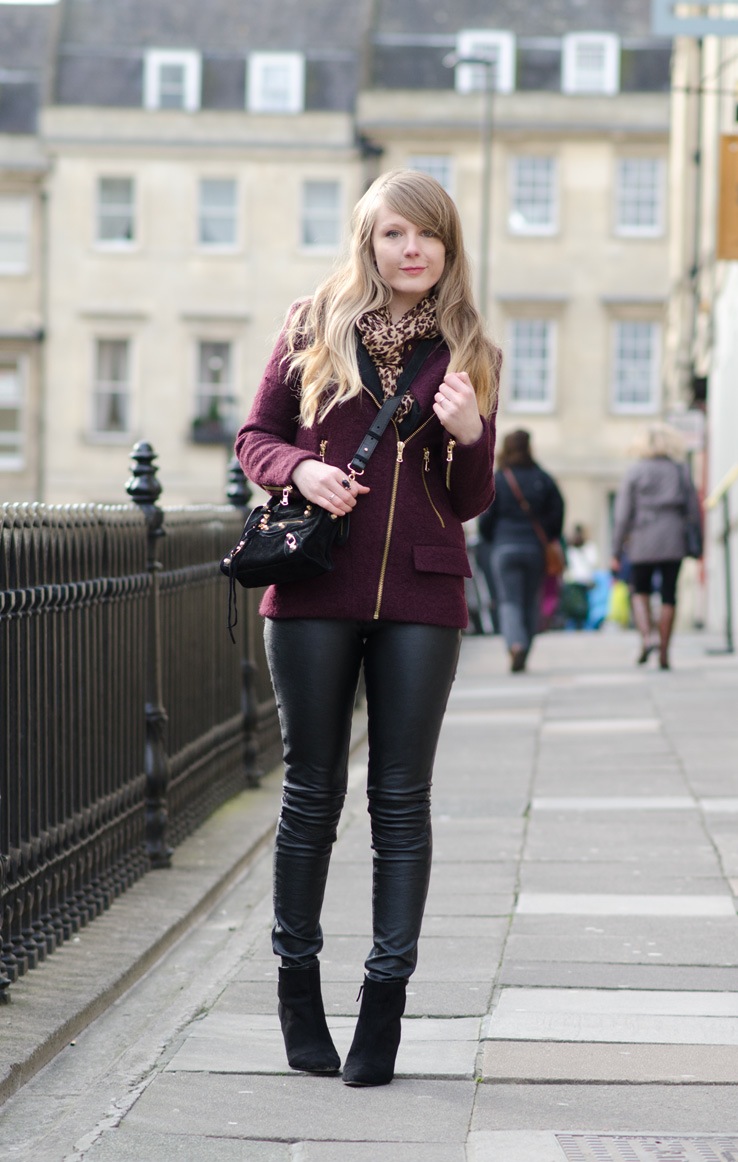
x: 652, y: 1148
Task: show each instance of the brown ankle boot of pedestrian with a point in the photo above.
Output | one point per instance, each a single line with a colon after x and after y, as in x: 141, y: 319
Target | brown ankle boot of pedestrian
x: 641, y: 606
x: 666, y: 625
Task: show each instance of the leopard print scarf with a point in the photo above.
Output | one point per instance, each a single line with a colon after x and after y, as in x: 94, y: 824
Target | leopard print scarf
x: 385, y: 341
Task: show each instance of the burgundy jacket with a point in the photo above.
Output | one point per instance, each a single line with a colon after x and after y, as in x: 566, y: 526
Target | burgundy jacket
x: 405, y: 558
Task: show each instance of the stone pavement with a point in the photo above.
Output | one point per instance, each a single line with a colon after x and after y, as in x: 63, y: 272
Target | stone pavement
x: 576, y: 996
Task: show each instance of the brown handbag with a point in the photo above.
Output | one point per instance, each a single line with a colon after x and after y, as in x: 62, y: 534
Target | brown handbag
x: 555, y: 560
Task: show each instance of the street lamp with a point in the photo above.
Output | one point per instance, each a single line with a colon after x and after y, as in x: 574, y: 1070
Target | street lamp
x: 489, y: 64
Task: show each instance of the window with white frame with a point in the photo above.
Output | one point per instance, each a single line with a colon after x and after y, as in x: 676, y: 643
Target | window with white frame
x: 321, y: 214
x: 639, y: 209
x: 590, y: 63
x: 214, y: 389
x: 496, y: 47
x: 636, y: 373
x: 11, y: 413
x: 533, y: 195
x: 276, y: 82
x: 172, y: 79
x: 111, y: 390
x: 15, y: 234
x: 437, y: 165
x: 217, y: 226
x: 116, y: 211
x: 531, y: 365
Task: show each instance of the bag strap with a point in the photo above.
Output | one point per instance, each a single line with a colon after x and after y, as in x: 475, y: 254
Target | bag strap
x: 369, y: 373
x: 515, y: 489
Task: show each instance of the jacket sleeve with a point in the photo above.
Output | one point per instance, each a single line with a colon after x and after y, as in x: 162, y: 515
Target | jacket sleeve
x: 624, y: 515
x: 552, y: 518
x: 470, y: 479
x: 265, y: 443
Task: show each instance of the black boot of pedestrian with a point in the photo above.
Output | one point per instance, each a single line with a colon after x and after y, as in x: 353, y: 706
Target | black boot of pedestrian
x: 301, y: 1014
x: 371, y: 1058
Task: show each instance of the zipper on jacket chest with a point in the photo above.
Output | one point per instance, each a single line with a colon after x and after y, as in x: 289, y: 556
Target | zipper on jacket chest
x: 401, y: 444
x: 426, y: 470
x: 390, y: 522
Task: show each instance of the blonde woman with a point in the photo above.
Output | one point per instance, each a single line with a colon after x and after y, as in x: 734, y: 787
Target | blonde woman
x: 394, y: 603
x: 653, y: 507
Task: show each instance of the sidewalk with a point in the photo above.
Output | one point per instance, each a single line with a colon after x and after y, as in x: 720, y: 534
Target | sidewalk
x: 576, y: 997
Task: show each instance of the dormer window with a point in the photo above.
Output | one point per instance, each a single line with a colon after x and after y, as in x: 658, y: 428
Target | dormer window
x: 172, y: 80
x: 276, y: 82
x: 590, y: 63
x: 481, y: 44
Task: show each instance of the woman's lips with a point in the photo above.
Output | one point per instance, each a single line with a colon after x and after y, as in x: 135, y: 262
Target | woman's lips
x: 412, y: 269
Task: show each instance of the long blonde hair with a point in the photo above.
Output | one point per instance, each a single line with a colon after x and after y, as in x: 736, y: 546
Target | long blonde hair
x: 320, y: 334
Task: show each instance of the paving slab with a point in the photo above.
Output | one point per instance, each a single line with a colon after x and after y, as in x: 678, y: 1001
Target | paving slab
x: 293, y: 1108
x: 606, y: 1109
x: 594, y: 1063
x: 627, y: 904
x: 252, y: 1044
x: 126, y: 1144
x: 563, y: 974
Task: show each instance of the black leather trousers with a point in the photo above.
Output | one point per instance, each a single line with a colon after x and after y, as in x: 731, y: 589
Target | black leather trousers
x: 408, y: 671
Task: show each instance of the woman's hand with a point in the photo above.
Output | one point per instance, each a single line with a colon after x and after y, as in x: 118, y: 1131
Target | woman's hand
x: 327, y: 486
x: 456, y: 407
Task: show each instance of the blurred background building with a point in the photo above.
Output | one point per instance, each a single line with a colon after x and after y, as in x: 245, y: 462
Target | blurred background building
x: 173, y: 175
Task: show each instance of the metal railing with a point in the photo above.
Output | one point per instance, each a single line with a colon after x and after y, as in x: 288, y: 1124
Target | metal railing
x: 126, y: 714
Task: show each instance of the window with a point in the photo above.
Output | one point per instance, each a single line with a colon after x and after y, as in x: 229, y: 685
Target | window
x: 321, y: 217
x: 533, y: 195
x: 112, y: 388
x: 531, y: 365
x: 438, y: 166
x: 15, y: 234
x: 640, y: 197
x: 172, y: 80
x: 217, y: 218
x: 11, y: 414
x: 115, y: 211
x: 214, y: 402
x: 496, y: 47
x: 636, y: 367
x: 590, y: 63
x: 276, y: 82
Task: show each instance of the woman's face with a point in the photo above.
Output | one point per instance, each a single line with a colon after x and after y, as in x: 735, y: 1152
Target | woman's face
x: 409, y: 258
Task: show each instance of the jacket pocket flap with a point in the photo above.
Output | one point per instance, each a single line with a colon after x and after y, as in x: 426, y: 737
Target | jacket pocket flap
x: 441, y: 559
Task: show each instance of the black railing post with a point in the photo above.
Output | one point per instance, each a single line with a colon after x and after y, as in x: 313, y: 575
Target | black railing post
x: 238, y: 493
x: 144, y: 490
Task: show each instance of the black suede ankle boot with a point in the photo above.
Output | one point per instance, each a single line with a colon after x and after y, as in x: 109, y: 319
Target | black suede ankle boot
x: 371, y: 1058
x: 302, y: 1017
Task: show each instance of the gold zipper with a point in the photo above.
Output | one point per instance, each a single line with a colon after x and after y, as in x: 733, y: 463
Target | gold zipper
x: 323, y: 447
x: 449, y: 461
x: 401, y: 445
x: 426, y: 468
x: 388, y: 537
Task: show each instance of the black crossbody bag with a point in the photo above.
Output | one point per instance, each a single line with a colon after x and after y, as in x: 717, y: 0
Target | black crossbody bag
x: 290, y: 539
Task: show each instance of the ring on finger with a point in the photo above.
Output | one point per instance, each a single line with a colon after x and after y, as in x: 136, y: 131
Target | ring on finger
x: 346, y: 484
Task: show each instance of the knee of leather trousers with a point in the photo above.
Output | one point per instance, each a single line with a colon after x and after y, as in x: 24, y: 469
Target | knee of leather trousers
x: 315, y: 666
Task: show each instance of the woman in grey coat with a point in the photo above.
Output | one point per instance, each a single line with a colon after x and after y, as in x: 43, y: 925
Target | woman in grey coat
x: 653, y: 507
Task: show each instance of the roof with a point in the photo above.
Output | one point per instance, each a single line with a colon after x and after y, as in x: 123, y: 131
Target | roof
x: 26, y: 38
x: 627, y: 18
x: 103, y: 45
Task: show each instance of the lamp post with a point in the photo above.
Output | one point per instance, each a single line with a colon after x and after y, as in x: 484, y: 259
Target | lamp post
x: 489, y: 64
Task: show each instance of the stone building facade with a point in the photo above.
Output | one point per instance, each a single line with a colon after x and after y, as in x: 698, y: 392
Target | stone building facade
x: 200, y: 163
